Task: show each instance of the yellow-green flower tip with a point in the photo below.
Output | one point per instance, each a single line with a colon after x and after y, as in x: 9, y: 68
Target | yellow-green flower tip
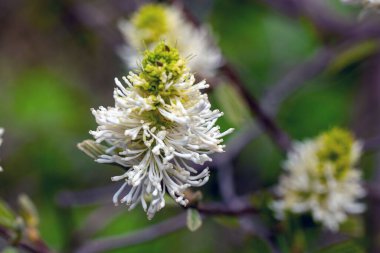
x: 160, y: 66
x: 151, y: 20
x: 336, y: 148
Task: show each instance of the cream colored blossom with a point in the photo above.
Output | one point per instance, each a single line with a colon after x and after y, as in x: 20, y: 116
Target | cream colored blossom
x: 153, y: 23
x: 320, y: 178
x: 368, y: 5
x: 160, y: 125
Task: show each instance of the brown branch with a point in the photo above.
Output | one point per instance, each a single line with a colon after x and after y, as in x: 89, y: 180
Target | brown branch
x: 144, y: 235
x: 99, y: 195
x: 373, y: 191
x: 367, y: 124
x: 328, y: 24
x: 37, y: 247
x: 372, y: 144
x: 265, y: 121
x: 230, y: 198
x: 166, y: 227
x: 96, y: 221
x: 218, y: 209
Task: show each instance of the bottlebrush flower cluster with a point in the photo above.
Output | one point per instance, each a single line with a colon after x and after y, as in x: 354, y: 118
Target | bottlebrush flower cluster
x: 153, y: 23
x: 367, y: 4
x: 320, y: 177
x: 161, y: 124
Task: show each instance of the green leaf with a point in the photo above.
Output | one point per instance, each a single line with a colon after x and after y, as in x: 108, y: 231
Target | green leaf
x: 342, y: 247
x: 92, y: 148
x: 28, y: 211
x: 10, y: 250
x: 194, y: 219
x: 30, y: 92
x: 7, y: 217
x: 230, y: 222
x: 353, y: 54
x: 231, y: 103
x: 260, y: 246
x: 353, y: 226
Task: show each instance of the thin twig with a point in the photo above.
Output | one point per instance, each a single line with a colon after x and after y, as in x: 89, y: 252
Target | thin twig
x: 147, y: 234
x: 227, y: 190
x: 372, y: 144
x: 232, y: 200
x: 97, y: 220
x: 373, y: 191
x: 160, y: 229
x: 39, y: 247
x: 226, y: 181
x: 264, y: 120
x: 369, y: 108
x: 99, y: 195
x: 218, y: 209
x: 326, y: 22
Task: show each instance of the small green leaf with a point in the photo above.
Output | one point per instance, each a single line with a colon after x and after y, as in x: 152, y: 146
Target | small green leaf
x: 226, y: 221
x: 342, y: 247
x: 194, y: 219
x: 260, y: 246
x: 10, y: 250
x: 353, y: 226
x: 353, y: 54
x: 231, y: 103
x: 92, y: 148
x: 7, y: 218
x: 28, y: 211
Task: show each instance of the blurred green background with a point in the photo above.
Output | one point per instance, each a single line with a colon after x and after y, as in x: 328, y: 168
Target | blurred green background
x: 58, y: 59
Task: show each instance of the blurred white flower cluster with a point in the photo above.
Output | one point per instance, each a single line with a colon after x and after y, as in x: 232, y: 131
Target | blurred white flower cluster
x: 161, y: 124
x: 153, y: 23
x: 368, y: 5
x: 1, y: 141
x: 320, y: 178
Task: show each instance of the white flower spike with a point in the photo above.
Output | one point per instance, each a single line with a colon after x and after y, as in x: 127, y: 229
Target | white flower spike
x: 153, y: 23
x: 368, y: 3
x: 320, y: 178
x: 161, y: 124
x: 368, y: 6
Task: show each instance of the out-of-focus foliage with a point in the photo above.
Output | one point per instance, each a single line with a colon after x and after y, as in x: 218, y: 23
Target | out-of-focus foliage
x: 22, y: 224
x: 231, y: 104
x: 343, y: 247
x: 7, y: 217
x: 193, y: 219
